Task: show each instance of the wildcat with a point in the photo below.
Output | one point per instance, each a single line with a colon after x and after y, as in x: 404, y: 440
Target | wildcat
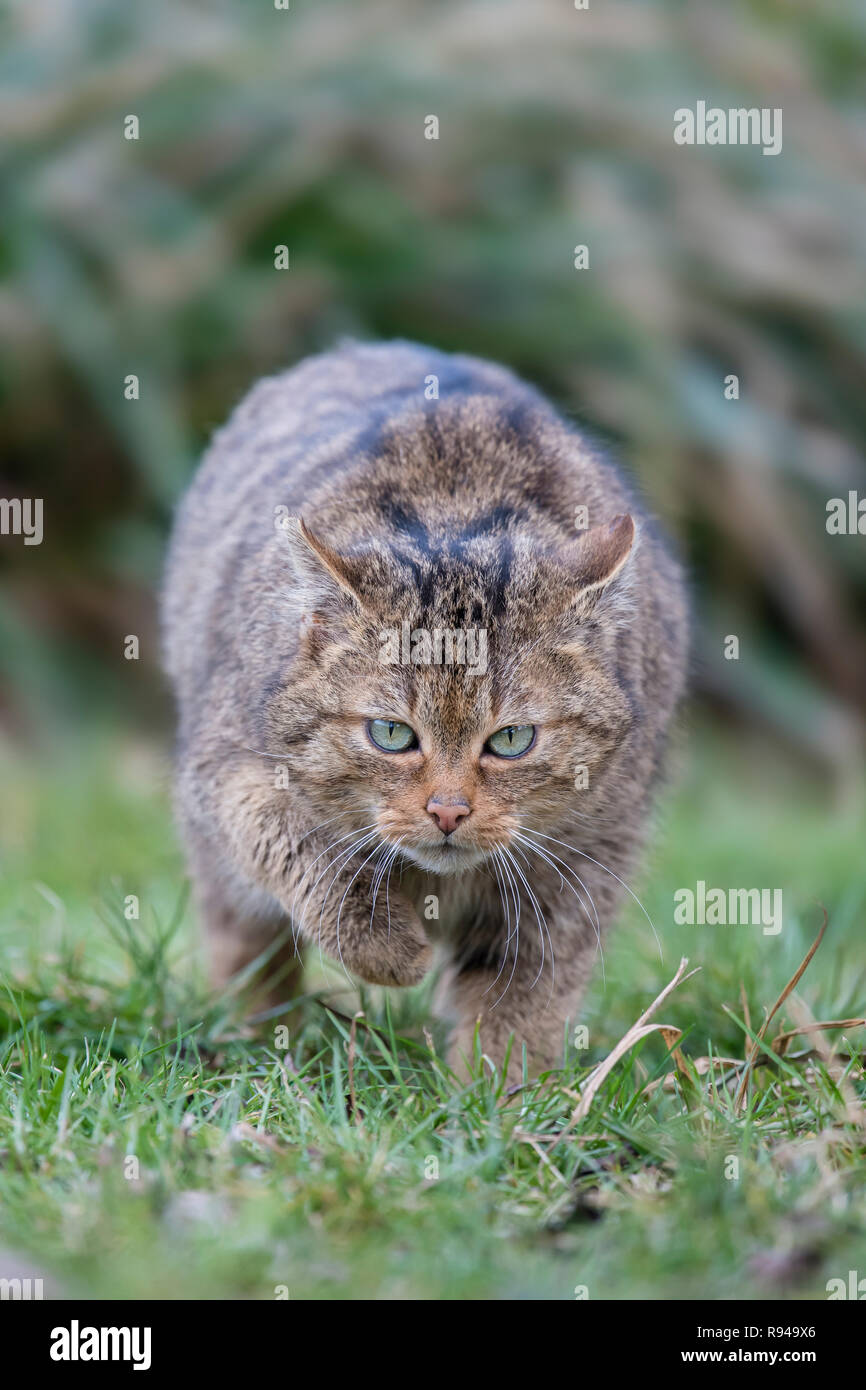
x: 426, y: 648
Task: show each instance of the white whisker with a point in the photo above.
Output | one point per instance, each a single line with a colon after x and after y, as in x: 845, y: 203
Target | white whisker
x: 312, y: 865
x: 391, y: 864
x: 503, y: 898
x: 557, y: 864
x: 377, y: 849
x: 542, y: 924
x: 598, y: 862
x: 345, y: 855
x: 385, y: 865
x: 516, y: 900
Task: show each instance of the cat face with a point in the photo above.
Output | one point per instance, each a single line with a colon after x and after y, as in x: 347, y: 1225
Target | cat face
x: 449, y: 706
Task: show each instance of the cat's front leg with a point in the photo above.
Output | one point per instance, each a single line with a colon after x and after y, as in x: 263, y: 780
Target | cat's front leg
x: 524, y: 990
x: 324, y: 878
x: 338, y: 903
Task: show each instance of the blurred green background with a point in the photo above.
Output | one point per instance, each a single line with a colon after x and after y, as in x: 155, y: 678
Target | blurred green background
x: 261, y: 127
x: 305, y: 127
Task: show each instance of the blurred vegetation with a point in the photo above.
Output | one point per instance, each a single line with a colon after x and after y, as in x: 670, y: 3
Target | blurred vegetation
x: 306, y: 127
x: 261, y: 127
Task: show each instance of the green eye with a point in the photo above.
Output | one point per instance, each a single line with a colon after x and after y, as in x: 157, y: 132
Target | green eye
x: 511, y: 741
x: 391, y: 736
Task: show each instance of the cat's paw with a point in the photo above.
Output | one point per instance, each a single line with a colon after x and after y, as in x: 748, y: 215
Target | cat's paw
x: 395, y: 952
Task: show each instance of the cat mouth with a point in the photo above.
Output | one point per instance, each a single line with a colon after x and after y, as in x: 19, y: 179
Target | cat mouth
x: 445, y: 856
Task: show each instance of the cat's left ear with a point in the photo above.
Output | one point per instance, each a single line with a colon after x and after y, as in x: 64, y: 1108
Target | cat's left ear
x: 600, y: 554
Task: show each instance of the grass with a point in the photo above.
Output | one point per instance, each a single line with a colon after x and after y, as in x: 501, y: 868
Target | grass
x: 153, y: 1146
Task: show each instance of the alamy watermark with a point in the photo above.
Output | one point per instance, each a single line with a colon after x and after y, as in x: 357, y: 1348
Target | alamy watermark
x: 21, y: 1290
x: 77, y: 1343
x: 22, y: 516
x: 853, y: 1287
x: 717, y: 907
x: 738, y: 125
x: 846, y: 516
x: 421, y: 646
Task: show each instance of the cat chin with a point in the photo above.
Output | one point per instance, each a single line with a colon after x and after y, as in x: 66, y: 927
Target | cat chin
x: 450, y: 859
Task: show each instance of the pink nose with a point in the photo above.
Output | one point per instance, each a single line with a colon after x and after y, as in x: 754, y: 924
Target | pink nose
x: 447, y: 815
